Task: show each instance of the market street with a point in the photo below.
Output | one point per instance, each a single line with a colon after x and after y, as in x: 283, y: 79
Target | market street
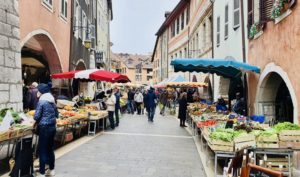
x: 136, y: 148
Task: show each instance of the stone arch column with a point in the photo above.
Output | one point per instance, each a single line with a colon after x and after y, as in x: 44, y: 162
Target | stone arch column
x: 273, y: 68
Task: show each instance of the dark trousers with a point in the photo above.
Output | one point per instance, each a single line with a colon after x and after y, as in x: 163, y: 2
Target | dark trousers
x: 151, y: 112
x: 46, y: 147
x: 111, y: 119
x: 117, y: 115
x: 138, y: 107
x: 182, y: 121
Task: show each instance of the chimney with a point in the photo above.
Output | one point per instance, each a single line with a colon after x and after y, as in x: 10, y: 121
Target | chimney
x: 167, y: 13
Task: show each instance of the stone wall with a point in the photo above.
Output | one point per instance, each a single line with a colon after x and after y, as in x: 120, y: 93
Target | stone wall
x: 10, y: 56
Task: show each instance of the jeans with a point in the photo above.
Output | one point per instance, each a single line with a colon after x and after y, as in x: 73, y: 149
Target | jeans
x: 151, y: 112
x: 46, y: 147
x: 111, y: 119
x: 138, y: 106
x: 130, y: 106
x: 117, y: 115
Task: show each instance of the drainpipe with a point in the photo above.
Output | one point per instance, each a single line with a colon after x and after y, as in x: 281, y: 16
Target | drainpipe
x: 71, y: 48
x: 188, y: 49
x: 244, y: 56
x: 212, y: 49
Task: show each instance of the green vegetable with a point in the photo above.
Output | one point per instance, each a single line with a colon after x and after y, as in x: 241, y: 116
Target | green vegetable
x: 224, y: 136
x: 286, y: 126
x: 267, y: 133
x: 3, y: 112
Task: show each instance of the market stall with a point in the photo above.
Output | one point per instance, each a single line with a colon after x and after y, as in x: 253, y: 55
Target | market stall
x: 225, y: 133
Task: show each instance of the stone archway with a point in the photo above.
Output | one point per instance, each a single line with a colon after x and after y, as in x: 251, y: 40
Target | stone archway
x: 274, y: 93
x: 40, y: 45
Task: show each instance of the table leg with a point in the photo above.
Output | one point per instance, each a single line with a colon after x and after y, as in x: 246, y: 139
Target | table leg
x: 290, y: 171
x: 216, y: 161
x: 103, y: 126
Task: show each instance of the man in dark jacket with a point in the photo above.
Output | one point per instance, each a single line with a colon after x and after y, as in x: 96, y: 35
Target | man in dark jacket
x: 130, y: 101
x: 163, y: 99
x: 151, y: 104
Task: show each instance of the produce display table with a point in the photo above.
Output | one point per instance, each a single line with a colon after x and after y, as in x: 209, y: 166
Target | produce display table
x: 222, y: 154
x: 95, y: 120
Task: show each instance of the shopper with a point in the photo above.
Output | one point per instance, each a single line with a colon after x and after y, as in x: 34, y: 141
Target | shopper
x: 221, y: 104
x: 32, y: 98
x: 182, y: 109
x: 138, y: 98
x: 118, y: 95
x: 144, y: 101
x: 130, y: 99
x: 45, y: 117
x: 190, y: 94
x: 151, y: 101
x: 163, y: 100
x: 111, y: 103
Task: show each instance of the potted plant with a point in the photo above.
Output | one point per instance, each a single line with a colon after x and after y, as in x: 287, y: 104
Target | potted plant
x: 278, y: 8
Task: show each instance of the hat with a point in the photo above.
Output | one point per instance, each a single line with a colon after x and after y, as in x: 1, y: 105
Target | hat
x: 34, y: 84
x: 44, y: 88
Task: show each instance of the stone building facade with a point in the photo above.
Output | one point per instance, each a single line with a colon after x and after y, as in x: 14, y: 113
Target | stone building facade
x: 10, y: 56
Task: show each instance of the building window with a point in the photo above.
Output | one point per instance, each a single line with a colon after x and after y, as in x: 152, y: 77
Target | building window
x: 149, y: 71
x: 149, y: 78
x: 177, y: 26
x: 173, y: 29
x: 187, y: 15
x: 84, y: 26
x: 226, y: 22
x: 64, y: 9
x: 76, y: 19
x: 218, y: 31
x: 48, y: 3
x: 236, y: 14
x: 182, y: 21
x: 185, y: 52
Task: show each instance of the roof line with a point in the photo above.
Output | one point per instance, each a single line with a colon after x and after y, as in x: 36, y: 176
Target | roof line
x: 172, y: 15
x: 154, y: 51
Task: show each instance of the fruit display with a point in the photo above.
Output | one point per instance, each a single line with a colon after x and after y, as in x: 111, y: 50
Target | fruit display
x: 197, y: 109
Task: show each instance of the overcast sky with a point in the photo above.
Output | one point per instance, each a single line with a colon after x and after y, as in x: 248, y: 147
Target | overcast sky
x: 135, y: 23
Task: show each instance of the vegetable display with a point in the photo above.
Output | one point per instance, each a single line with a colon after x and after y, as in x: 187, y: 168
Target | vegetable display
x: 286, y: 126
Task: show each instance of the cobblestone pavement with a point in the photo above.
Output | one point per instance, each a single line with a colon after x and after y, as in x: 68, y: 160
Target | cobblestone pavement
x: 137, y: 148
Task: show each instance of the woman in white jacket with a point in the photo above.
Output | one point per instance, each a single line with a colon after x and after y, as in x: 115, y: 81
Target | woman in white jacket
x: 138, y: 98
x: 111, y: 102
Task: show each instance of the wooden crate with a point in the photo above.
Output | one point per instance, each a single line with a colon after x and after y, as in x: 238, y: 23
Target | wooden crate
x: 289, y: 139
x: 13, y: 133
x: 4, y: 136
x: 267, y: 141
x: 243, y: 141
x: 219, y: 145
x: 274, y: 163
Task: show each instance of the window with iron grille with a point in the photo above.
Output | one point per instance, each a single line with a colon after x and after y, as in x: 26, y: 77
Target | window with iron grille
x: 218, y: 31
x: 64, y: 8
x: 226, y: 22
x: 236, y: 14
x: 182, y: 21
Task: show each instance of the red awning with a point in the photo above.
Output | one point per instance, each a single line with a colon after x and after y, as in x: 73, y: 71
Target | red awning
x: 92, y: 74
x: 64, y: 75
x: 108, y: 76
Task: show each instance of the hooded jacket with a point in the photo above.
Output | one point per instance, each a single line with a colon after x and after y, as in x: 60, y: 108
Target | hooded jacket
x: 46, y: 111
x: 150, y: 99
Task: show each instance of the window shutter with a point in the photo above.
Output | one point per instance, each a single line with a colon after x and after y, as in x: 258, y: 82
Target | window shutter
x: 236, y: 13
x: 265, y: 10
x: 226, y: 22
x: 218, y: 31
